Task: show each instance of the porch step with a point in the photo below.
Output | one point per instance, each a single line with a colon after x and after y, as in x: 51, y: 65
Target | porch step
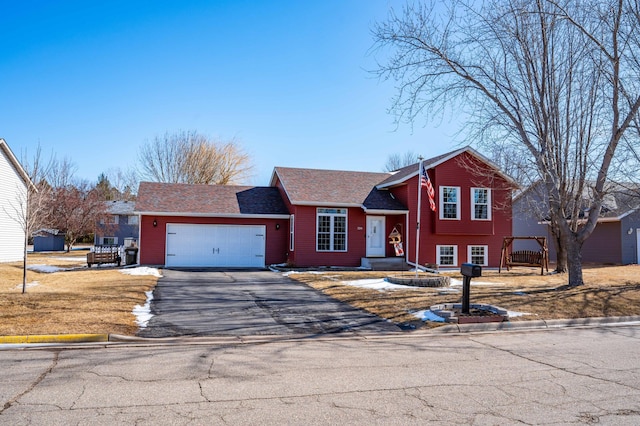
x: 384, y: 263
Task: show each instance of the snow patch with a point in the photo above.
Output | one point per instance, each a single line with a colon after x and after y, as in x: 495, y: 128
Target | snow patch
x: 47, y: 269
x: 143, y: 313
x: 513, y: 314
x: 29, y: 285
x: 379, y: 284
x: 455, y: 283
x: 427, y: 315
x: 142, y: 270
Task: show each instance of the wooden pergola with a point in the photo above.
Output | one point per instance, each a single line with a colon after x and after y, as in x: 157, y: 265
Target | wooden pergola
x: 509, y: 258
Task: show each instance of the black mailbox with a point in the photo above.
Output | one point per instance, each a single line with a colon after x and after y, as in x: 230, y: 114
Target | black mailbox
x: 471, y: 270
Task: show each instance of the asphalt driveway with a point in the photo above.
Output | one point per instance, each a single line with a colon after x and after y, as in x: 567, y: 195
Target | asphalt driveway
x: 242, y: 303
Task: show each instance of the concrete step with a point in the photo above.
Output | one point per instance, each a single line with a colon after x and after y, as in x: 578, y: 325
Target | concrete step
x: 385, y: 263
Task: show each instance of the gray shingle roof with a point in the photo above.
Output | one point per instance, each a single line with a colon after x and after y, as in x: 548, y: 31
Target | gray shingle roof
x: 121, y: 207
x: 327, y: 187
x: 175, y: 198
x: 383, y: 200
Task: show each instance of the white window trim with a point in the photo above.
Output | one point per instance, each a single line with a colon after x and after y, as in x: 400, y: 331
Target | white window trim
x: 473, y: 204
x: 455, y: 255
x: 292, y: 229
x: 486, y: 254
x: 331, y: 234
x: 115, y: 241
x: 441, y: 196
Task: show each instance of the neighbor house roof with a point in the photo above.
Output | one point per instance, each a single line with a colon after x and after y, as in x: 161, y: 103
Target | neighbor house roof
x: 174, y: 199
x: 16, y: 164
x: 120, y: 207
x: 620, y: 200
x: 336, y: 188
x: 44, y: 232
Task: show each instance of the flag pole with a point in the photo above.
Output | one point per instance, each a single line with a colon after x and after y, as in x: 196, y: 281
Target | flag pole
x: 419, y: 213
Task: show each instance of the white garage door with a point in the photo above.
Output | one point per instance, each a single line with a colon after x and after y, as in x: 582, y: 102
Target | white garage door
x: 215, y: 245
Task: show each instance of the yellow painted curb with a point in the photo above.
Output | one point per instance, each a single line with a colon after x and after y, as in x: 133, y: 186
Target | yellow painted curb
x: 55, y: 338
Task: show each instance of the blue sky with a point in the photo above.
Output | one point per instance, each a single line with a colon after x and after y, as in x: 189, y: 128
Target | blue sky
x: 92, y: 81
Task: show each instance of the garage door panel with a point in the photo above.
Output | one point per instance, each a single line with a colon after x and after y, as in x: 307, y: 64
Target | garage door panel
x: 215, y: 245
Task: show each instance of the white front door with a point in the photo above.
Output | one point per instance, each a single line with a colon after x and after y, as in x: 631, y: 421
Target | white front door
x: 375, y: 236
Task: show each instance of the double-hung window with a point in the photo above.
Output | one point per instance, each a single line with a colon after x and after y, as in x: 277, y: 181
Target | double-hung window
x: 109, y: 241
x: 331, y: 230
x: 450, y: 202
x: 480, y: 204
x: 478, y: 254
x: 447, y: 255
x: 109, y: 220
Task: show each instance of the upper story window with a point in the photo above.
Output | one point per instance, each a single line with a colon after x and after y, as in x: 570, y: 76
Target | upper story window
x: 331, y: 230
x: 480, y: 204
x: 109, y: 220
x: 132, y: 219
x: 450, y: 202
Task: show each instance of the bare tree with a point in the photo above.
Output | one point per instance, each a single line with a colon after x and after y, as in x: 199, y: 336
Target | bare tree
x: 76, y: 209
x: 60, y: 173
x: 124, y: 182
x: 189, y: 157
x: 397, y: 161
x: 557, y: 79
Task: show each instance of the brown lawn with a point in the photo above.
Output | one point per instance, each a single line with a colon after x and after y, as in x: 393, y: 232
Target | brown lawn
x: 608, y: 291
x: 101, y: 300
x: 82, y: 300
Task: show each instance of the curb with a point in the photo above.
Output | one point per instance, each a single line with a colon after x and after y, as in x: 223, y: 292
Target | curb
x: 54, y: 338
x: 534, y: 325
x: 447, y: 329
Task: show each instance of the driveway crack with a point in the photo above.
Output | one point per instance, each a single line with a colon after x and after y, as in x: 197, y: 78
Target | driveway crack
x: 40, y: 378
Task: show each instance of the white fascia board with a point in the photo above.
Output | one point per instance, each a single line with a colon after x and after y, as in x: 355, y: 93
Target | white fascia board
x: 16, y: 164
x: 226, y: 216
x: 396, y: 182
x: 385, y: 212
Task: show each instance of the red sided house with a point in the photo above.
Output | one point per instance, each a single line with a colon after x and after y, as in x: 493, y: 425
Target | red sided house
x: 310, y: 218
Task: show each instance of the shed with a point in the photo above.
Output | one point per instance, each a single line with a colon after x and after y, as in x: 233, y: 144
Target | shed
x: 48, y: 240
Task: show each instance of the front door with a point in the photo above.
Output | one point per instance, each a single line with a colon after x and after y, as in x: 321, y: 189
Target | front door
x: 375, y: 236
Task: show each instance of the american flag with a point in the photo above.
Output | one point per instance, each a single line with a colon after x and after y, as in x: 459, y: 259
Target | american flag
x: 425, y: 182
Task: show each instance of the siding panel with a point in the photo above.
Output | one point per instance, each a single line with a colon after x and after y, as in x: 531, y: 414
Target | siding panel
x: 13, y: 194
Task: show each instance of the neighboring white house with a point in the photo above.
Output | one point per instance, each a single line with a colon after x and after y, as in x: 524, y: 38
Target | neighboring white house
x: 14, y: 182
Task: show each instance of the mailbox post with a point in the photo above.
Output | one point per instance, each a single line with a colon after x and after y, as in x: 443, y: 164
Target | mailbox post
x: 468, y: 271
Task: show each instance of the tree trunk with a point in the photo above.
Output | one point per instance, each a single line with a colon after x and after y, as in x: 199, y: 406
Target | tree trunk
x: 561, y: 255
x: 574, y: 260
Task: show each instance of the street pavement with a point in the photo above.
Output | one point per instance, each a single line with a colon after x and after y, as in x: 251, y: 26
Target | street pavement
x: 242, y: 303
x: 551, y: 377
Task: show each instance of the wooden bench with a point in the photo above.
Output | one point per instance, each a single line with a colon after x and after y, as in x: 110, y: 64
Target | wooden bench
x: 525, y: 258
x: 98, y: 258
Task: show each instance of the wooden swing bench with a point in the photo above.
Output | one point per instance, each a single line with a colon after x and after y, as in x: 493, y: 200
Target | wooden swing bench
x: 524, y: 257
